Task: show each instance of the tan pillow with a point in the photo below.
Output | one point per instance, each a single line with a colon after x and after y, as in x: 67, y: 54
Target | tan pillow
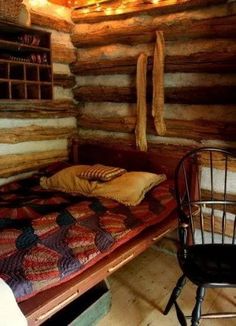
x: 130, y: 188
x: 67, y: 180
x: 101, y: 172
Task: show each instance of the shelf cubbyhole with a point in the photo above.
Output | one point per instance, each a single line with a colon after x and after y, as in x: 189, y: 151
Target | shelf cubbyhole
x: 3, y: 70
x: 46, y: 92
x: 45, y: 41
x: 18, y: 91
x: 16, y: 71
x: 33, y: 91
x: 25, y: 63
x: 45, y: 74
x: 31, y: 73
x: 4, y: 90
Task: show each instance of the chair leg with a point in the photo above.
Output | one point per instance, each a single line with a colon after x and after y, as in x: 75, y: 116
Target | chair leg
x: 196, y: 314
x: 175, y: 293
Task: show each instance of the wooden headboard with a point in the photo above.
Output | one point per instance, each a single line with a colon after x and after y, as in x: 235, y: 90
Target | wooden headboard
x: 160, y: 160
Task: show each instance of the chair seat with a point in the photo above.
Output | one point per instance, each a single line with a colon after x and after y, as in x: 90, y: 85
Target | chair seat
x: 209, y: 264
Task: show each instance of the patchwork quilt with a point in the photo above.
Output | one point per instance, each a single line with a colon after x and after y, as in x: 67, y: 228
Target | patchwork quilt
x: 48, y: 237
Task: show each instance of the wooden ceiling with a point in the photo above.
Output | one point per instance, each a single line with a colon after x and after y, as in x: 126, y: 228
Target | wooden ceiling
x: 122, y: 9
x: 89, y: 11
x: 85, y: 3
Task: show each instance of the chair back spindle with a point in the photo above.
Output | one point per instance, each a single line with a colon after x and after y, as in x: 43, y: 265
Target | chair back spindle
x: 206, y: 196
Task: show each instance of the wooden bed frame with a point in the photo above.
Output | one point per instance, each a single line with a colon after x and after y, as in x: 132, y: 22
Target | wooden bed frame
x: 45, y: 304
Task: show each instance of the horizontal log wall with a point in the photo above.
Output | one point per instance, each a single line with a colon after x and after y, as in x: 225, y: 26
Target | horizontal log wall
x: 195, y: 23
x: 139, y: 7
x: 199, y: 80
x: 35, y: 133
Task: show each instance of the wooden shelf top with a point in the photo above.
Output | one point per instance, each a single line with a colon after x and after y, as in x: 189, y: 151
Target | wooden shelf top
x: 41, y: 65
x: 17, y: 46
x: 12, y: 28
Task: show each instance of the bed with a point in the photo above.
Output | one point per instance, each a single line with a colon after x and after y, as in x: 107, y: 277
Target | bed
x: 78, y: 241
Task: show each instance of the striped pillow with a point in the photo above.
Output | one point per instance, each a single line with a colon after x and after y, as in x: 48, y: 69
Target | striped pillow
x: 101, y: 172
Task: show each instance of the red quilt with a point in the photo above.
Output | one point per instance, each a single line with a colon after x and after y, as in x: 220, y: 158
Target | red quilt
x: 48, y: 237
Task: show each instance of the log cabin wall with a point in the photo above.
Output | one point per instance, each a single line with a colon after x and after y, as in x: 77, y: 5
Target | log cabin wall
x: 35, y: 133
x: 199, y: 79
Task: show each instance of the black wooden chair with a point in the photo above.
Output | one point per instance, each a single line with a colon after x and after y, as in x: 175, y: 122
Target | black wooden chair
x: 204, y: 182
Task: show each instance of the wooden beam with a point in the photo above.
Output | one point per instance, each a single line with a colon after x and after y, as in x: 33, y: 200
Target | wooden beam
x: 217, y: 62
x: 189, y: 129
x: 64, y: 80
x: 118, y: 124
x: 37, y: 109
x: 202, y: 62
x: 187, y: 47
x: 163, y: 7
x: 182, y: 95
x: 218, y: 163
x: 95, y: 137
x: 106, y: 67
x: 19, y: 163
x: 229, y: 230
x: 201, y: 129
x: 201, y: 95
x: 105, y: 94
x: 54, y: 23
x: 171, y: 111
x: 173, y: 29
x: 34, y: 133
x: 206, y: 195
x: 63, y: 54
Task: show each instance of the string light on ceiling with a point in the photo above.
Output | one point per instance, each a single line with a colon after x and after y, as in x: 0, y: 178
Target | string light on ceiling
x: 38, y: 3
x: 104, y: 7
x: 85, y: 3
x: 108, y: 5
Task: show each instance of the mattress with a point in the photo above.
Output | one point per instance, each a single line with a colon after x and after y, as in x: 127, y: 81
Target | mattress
x: 49, y: 237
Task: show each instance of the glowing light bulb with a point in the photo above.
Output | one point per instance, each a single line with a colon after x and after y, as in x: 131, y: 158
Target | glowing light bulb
x: 155, y: 1
x: 38, y: 3
x: 90, y: 2
x: 60, y: 11
x: 122, y: 5
x: 85, y: 10
x: 98, y: 7
x: 108, y: 11
x: 119, y: 10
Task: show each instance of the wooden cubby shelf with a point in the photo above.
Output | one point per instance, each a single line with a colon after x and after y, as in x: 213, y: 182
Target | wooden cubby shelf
x: 25, y: 63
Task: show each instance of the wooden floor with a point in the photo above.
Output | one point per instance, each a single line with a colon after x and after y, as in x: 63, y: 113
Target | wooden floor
x: 140, y: 291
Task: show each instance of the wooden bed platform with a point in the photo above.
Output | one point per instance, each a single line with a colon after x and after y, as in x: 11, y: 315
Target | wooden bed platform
x: 45, y: 304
